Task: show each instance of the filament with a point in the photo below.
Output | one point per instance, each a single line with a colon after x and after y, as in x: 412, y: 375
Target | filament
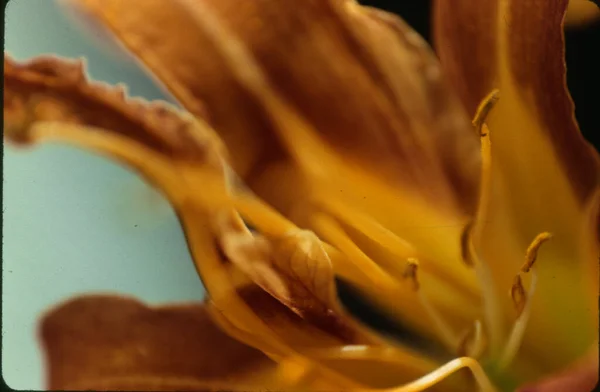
x: 333, y: 232
x: 491, y: 304
x: 518, y: 330
x: 448, y: 336
x: 523, y: 301
x: 439, y: 374
x: 472, y: 342
x: 491, y: 307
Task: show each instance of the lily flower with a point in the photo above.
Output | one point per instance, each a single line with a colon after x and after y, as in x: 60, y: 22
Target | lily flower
x: 324, y: 140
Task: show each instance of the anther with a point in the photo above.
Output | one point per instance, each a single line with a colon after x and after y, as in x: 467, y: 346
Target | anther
x: 491, y: 303
x: 484, y: 109
x: 532, y: 250
x: 410, y: 272
x: 522, y: 300
x: 518, y: 295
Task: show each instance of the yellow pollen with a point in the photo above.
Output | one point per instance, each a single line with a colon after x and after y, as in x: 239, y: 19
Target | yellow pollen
x: 484, y: 109
x: 532, y: 250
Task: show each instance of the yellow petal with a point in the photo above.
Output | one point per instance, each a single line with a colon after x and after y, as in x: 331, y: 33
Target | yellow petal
x: 116, y: 343
x: 544, y: 175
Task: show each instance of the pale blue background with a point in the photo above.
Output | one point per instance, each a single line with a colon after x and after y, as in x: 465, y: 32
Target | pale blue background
x: 70, y: 217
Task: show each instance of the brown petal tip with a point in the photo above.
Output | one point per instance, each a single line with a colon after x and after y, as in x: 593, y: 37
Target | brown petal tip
x: 50, y: 88
x: 93, y: 340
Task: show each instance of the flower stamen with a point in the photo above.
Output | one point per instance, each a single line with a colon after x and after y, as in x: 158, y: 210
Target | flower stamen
x: 490, y: 300
x: 532, y: 250
x: 518, y: 330
x: 330, y: 230
x: 270, y: 223
x: 370, y: 228
x: 522, y: 300
x: 439, y: 374
x: 484, y: 109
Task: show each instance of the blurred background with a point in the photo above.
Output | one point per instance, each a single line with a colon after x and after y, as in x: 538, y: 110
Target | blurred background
x: 74, y: 222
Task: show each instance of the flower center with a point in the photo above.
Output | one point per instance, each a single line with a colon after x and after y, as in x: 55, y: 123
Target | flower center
x: 485, y: 338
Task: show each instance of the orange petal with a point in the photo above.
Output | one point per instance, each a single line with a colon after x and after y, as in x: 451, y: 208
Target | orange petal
x: 50, y: 99
x: 544, y: 175
x: 197, y: 77
x: 344, y: 85
x: 349, y: 97
x: 347, y: 75
x: 116, y: 343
